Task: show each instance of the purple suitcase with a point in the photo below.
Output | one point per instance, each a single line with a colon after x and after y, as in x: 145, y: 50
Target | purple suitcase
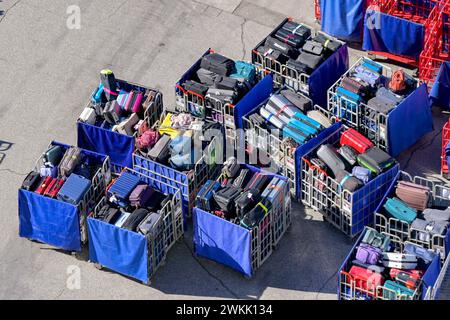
x: 368, y: 254
x: 140, y: 195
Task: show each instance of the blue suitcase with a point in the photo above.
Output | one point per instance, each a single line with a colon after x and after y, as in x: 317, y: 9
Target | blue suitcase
x: 352, y: 97
x: 74, y: 189
x: 303, y: 127
x: 400, y: 210
x: 307, y: 120
x: 123, y: 186
x: 294, y: 133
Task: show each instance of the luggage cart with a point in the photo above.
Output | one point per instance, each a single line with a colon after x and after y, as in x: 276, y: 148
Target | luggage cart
x: 149, y: 252
x: 213, y: 235
x: 403, y: 230
x: 107, y: 141
x: 350, y: 288
x: 51, y: 220
x: 348, y: 211
x: 445, y: 141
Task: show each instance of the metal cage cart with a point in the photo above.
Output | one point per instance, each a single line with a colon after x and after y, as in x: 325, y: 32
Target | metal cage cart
x: 188, y: 182
x: 58, y: 223
x: 348, y: 211
x: 119, y: 147
x: 352, y: 287
x: 315, y: 84
x: 237, y: 247
x: 381, y: 127
x: 445, y: 142
x: 131, y: 253
x: 440, y: 197
x: 441, y: 290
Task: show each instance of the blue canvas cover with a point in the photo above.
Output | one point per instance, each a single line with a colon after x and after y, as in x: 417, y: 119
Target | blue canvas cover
x: 385, y: 33
x: 343, y: 19
x: 409, y: 121
x: 326, y: 75
x: 118, y: 147
x: 118, y: 249
x: 49, y: 221
x: 440, y: 93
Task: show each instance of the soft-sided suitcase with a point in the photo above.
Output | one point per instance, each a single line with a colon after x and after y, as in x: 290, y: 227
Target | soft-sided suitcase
x: 313, y: 47
x: 88, y: 116
x: 226, y: 83
x: 149, y: 225
x: 424, y: 256
x: 290, y: 38
x: 160, y: 150
x: 425, y: 230
x: 328, y: 154
x: 376, y: 239
x: 218, y: 64
x: 134, y: 219
x: 376, y: 160
x: 400, y: 210
x: 348, y: 182
x: 112, y: 112
x: 244, y: 71
x: 301, y: 102
x: 360, y: 87
x: 396, y: 291
x: 140, y: 195
x: 271, y: 53
x: 134, y: 101
x: 436, y: 215
x: 258, y: 181
x: 366, y: 279
x: 49, y: 171
x: 231, y: 168
x: 31, y: 181
x: 70, y: 160
x: 367, y: 75
x: 320, y: 118
x: 380, y: 106
x: 74, y: 189
x: 195, y: 87
x: 109, y: 214
x: 297, y: 29
x: 246, y: 200
x: 403, y: 261
x: 341, y: 92
x: 53, y: 188
x: 312, y: 61
x: 123, y: 186
x: 327, y: 43
x: 349, y: 154
x: 367, y: 254
x: 363, y: 174
x: 126, y: 127
x: 225, y: 199
x: 205, y: 195
x: 253, y: 218
x: 207, y: 77
x: 43, y: 185
x: 298, y: 66
x: 284, y: 48
x: 408, y: 278
x: 416, y: 196
x: 374, y: 268
x: 53, y: 155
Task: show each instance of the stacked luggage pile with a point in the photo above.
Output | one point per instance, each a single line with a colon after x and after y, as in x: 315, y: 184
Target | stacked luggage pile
x: 340, y: 176
x: 365, y: 96
x: 416, y: 210
x: 379, y: 268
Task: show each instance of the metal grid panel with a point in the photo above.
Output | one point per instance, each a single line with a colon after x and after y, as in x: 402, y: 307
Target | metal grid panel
x: 445, y: 141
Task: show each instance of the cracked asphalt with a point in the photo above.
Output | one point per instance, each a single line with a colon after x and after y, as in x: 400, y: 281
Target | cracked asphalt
x: 48, y: 72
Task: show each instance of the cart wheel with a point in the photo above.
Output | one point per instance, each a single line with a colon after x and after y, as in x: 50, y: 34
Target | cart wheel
x: 98, y: 266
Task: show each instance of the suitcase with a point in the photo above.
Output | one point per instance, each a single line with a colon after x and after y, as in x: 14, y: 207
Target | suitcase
x: 160, y: 151
x: 320, y: 118
x: 271, y: 53
x: 376, y: 160
x: 400, y: 210
x: 436, y: 215
x: 425, y: 230
x: 218, y: 64
x: 53, y: 155
x: 290, y: 38
x: 311, y: 61
x: 226, y: 83
x: 363, y: 174
x: 360, y: 87
x: 373, y: 66
x: 295, y: 134
x: 31, y: 181
x: 122, y: 218
x: 388, y: 96
x: 302, y: 127
x: 53, y: 188
x: 49, y: 171
x: 43, y: 185
x: 141, y: 195
x: 367, y: 75
x: 328, y: 154
x: 243, y: 178
x: 258, y: 181
x: 74, y: 189
x: 313, y: 47
x: 112, y: 112
x: 349, y: 95
x: 253, y: 218
x: 207, y: 77
x: 126, y: 127
x: 122, y: 188
x: 134, y: 102
x: 148, y: 226
x: 70, y: 160
x: 225, y: 199
x: 349, y: 154
x: 395, y: 291
x: 327, y: 43
x: 281, y: 106
x: 195, y: 87
x: 366, y: 279
x: 414, y: 195
x: 297, y: 29
x: 424, y: 256
x: 150, y: 98
x: 245, y: 201
x: 244, y: 71
x: 231, y: 168
x: 379, y: 106
x: 367, y: 254
x: 284, y: 48
x: 376, y: 239
x: 308, y: 121
x: 299, y: 67
x: 348, y: 182
x: 374, y: 268
x: 224, y: 96
x: 134, y: 219
x: 409, y: 278
x: 403, y: 261
x: 109, y: 83
x: 205, y: 195
x: 109, y: 214
x: 302, y: 103
x: 88, y: 116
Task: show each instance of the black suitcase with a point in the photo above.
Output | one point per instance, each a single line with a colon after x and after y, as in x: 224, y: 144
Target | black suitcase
x: 297, y: 29
x: 196, y: 87
x: 358, y: 87
x: 301, y: 102
x: 217, y: 63
x: 208, y: 77
x: 246, y: 201
x: 311, y: 61
x: 283, y: 47
x: 258, y: 181
x: 255, y: 216
x: 290, y: 38
x: 244, y: 177
x: 376, y: 160
x: 273, y: 54
x: 299, y: 67
x: 109, y: 214
x: 313, y: 47
x: 328, y: 43
x: 227, y: 83
x: 205, y: 195
x: 31, y: 181
x: 349, y: 154
x: 135, y: 219
x: 328, y: 154
x: 225, y: 199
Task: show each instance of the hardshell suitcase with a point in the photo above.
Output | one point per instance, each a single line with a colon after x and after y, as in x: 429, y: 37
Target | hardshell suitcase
x: 403, y: 261
x: 271, y: 53
x: 408, y: 278
x: 320, y: 118
x: 366, y: 279
x: 416, y: 196
x: 396, y: 291
x: 134, y: 219
x: 149, y: 225
x: 53, y: 155
x: 88, y: 116
x: 301, y: 102
x: 341, y: 92
x: 400, y: 210
x: 357, y: 141
x: 374, y: 268
x: 246, y: 200
x: 126, y: 126
x: 290, y: 38
x: 328, y: 154
x: 53, y: 188
x: 284, y: 48
x: 160, y: 150
x: 112, y: 112
x: 348, y: 182
x: 109, y: 83
x: 218, y: 64
x: 205, y: 195
x: 376, y: 160
x: 123, y: 187
x: 74, y: 189
x: 109, y: 215
x: 363, y: 174
x: 70, y: 160
x: 140, y: 195
x: 43, y: 185
x: 360, y: 87
x: 349, y: 154
x: 31, y: 181
x: 225, y: 198
x: 134, y: 101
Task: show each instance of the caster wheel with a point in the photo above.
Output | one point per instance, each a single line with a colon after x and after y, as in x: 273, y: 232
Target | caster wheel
x: 98, y: 266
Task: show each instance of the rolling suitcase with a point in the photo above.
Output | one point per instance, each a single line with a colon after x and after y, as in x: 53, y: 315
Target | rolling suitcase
x: 271, y: 53
x: 320, y: 118
x: 341, y: 92
x: 298, y: 66
x: 122, y: 188
x: 246, y: 200
x: 253, y: 218
x: 311, y: 61
x: 70, y: 160
x: 396, y: 291
x: 360, y: 88
x: 49, y: 171
x: 205, y: 195
x: 74, y: 189
x: 363, y: 174
x: 295, y: 134
x: 195, y: 87
x: 424, y: 256
x: 367, y: 75
x: 53, y: 155
x: 376, y: 239
x: 349, y: 154
x: 374, y: 268
x: 31, y: 181
x: 149, y: 225
x: 416, y: 196
x: 109, y: 214
x: 436, y: 215
x: 134, y: 102
x: 218, y: 64
x: 160, y: 150
x: 373, y: 66
x: 43, y: 185
x: 376, y: 160
x: 408, y: 278
x: 328, y: 154
x: 126, y: 127
x: 122, y: 218
x: 313, y: 47
x: 327, y: 43
x: 379, y: 106
x: 290, y: 38
x: 297, y: 29
x: 366, y: 279
x: 348, y: 182
x: 134, y: 219
x: 302, y: 103
x: 243, y: 178
x: 112, y: 112
x: 226, y: 83
x: 141, y: 195
x: 109, y: 83
x: 231, y: 168
x: 244, y: 72
x: 308, y: 121
x: 207, y: 77
x: 424, y: 230
x: 225, y: 199
x: 403, y: 261
x: 53, y: 188
x: 258, y: 181
x: 399, y: 210
x: 284, y: 48
x: 88, y: 116
x: 367, y: 254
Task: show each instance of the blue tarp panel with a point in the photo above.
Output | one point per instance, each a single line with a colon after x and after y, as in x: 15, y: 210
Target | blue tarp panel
x: 430, y: 277
x: 50, y: 221
x: 257, y: 95
x: 326, y: 75
x: 118, y: 147
x: 440, y: 93
x: 118, y: 249
x: 409, y: 121
x: 222, y: 241
x: 385, y: 33
x: 306, y: 148
x: 343, y: 19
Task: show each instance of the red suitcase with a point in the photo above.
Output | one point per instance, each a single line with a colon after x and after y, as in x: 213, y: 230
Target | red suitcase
x: 44, y: 185
x: 53, y: 188
x: 366, y: 279
x: 408, y: 278
x: 357, y: 141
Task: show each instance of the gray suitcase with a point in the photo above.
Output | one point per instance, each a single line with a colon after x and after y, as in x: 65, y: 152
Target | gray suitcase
x: 207, y: 77
x: 54, y: 155
x: 71, y: 159
x: 112, y: 112
x: 328, y: 154
x: 149, y: 225
x: 161, y: 149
